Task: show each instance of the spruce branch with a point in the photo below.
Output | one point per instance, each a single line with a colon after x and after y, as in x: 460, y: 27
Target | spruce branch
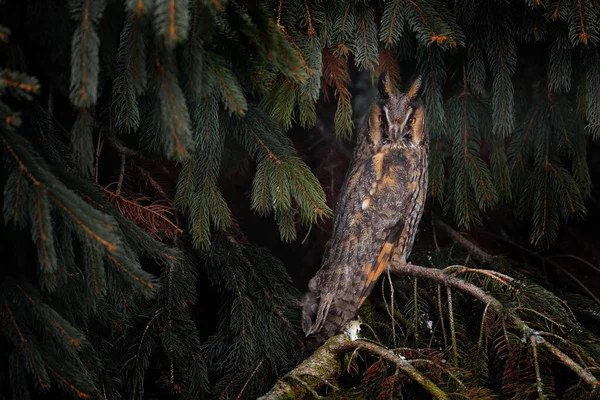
x: 85, y: 51
x: 280, y: 101
x: 97, y: 226
x: 471, y: 185
x: 133, y: 77
x: 70, y: 386
x: 364, y: 45
x: 174, y: 130
x: 18, y: 84
x: 139, y: 7
x: 391, y: 23
x: 433, y: 22
x: 441, y: 277
x: 260, y: 363
x: 172, y: 20
x: 238, y: 240
x: 335, y: 74
x: 307, y: 68
x: 283, y: 183
x: 388, y: 64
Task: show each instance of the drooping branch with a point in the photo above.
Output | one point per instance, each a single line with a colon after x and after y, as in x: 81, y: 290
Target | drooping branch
x: 442, y: 277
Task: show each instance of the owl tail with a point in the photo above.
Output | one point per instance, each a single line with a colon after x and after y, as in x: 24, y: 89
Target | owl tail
x: 324, y: 317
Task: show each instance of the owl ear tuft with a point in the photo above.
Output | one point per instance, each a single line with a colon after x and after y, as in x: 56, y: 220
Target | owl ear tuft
x: 417, y: 88
x: 385, y: 86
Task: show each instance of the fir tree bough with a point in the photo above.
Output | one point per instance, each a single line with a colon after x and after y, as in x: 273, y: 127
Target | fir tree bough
x: 119, y: 122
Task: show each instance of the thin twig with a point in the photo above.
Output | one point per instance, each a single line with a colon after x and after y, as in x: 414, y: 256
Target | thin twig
x: 435, y: 242
x: 578, y: 369
x: 389, y: 276
x: 548, y: 259
x: 98, y: 152
x: 498, y: 276
x: 541, y: 315
x: 307, y: 234
x: 239, y: 396
x: 589, y: 264
x: 482, y: 329
x: 121, y: 175
x: 122, y: 149
x: 441, y: 311
x: 452, y: 327
x: 416, y: 308
x: 538, y: 376
x: 153, y: 183
x: 471, y: 247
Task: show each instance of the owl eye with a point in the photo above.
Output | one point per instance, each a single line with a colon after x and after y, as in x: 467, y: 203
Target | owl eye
x: 381, y: 118
x: 412, y: 120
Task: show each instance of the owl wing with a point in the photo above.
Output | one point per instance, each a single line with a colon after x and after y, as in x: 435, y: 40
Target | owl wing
x: 369, y: 220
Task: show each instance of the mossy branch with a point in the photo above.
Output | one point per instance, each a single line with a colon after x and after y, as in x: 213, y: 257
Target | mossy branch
x: 326, y: 364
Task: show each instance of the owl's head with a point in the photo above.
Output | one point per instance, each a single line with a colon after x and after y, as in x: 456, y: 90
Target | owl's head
x: 398, y: 118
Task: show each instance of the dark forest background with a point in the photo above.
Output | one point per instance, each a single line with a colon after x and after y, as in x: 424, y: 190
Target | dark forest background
x: 171, y: 168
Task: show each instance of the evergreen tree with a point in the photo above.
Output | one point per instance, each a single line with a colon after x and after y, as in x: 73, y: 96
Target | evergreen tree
x: 127, y: 130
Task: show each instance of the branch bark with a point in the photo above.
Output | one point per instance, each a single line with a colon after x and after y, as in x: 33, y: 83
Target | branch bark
x: 442, y: 277
x: 471, y: 247
x: 326, y: 364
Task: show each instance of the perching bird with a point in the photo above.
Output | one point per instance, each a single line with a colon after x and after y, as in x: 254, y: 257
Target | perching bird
x: 378, y: 211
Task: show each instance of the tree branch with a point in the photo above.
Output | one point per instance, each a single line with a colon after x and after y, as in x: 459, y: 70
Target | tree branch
x: 471, y: 247
x: 126, y: 151
x: 159, y: 189
x: 442, y: 277
x: 326, y: 364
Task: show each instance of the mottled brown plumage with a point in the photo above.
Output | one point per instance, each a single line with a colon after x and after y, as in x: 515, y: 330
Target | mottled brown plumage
x: 378, y: 211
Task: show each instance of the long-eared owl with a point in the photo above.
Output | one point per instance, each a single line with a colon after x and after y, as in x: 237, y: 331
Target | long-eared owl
x: 379, y: 208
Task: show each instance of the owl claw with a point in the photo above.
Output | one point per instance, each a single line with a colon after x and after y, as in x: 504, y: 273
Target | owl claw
x: 352, y: 329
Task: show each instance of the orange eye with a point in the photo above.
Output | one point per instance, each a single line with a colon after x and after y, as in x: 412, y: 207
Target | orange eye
x: 380, y: 118
x: 412, y: 120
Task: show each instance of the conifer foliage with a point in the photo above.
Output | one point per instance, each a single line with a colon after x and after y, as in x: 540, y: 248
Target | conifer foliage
x: 118, y: 122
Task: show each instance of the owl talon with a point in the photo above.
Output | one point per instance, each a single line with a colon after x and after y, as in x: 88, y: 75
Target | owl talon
x: 352, y: 329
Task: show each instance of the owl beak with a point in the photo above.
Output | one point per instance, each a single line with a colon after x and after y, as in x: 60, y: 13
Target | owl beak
x: 395, y: 131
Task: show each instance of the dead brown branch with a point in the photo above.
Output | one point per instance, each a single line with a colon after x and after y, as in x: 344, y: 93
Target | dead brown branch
x: 153, y: 217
